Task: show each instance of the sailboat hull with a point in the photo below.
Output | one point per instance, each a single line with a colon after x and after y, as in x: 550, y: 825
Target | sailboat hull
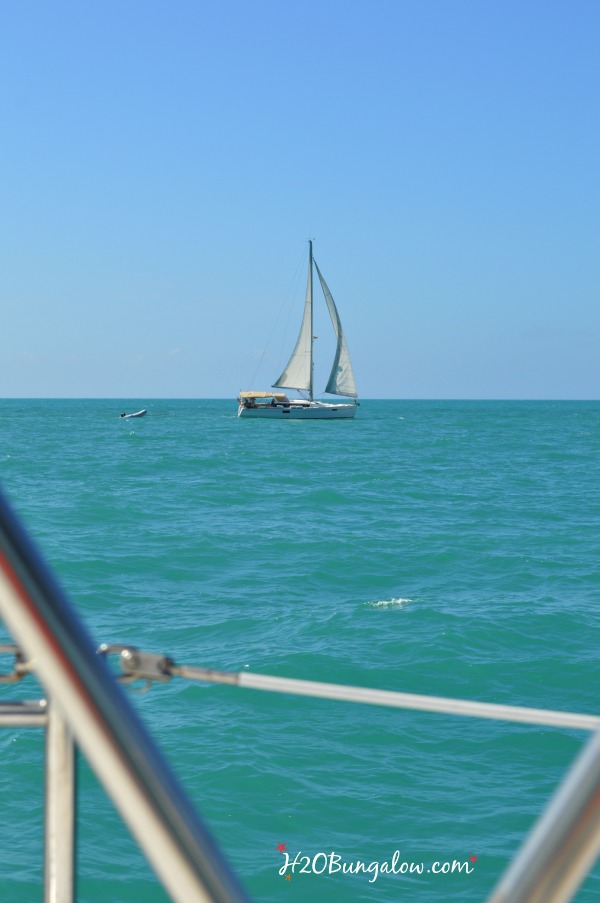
x: 299, y: 410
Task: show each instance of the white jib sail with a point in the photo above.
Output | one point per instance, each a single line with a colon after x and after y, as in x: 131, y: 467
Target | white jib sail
x: 297, y: 374
x: 341, y: 379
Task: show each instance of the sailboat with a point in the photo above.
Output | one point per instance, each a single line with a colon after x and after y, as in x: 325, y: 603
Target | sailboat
x: 299, y: 372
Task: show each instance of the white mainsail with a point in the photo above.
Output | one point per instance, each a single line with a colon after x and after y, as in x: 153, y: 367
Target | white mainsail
x: 341, y: 380
x: 298, y: 372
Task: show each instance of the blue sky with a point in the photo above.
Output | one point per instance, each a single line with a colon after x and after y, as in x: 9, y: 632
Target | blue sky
x: 163, y: 164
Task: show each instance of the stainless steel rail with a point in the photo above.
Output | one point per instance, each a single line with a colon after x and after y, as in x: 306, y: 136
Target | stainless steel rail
x: 59, y: 853
x: 106, y: 727
x: 565, y: 842
x: 23, y: 714
x: 88, y: 707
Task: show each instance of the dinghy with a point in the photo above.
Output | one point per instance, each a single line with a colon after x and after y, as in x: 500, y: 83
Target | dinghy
x: 141, y: 413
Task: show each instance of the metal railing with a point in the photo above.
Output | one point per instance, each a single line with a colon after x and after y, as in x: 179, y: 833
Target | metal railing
x: 85, y: 697
x: 87, y: 707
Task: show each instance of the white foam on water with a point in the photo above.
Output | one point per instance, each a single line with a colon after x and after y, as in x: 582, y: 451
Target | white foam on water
x: 389, y: 603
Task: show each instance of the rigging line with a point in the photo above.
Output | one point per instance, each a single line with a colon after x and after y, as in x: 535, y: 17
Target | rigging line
x: 292, y: 286
x: 148, y: 666
x: 291, y: 297
x: 439, y: 704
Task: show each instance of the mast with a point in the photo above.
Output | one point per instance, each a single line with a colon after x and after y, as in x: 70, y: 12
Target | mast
x: 312, y: 338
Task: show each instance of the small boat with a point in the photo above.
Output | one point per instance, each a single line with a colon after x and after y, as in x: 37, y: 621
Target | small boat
x: 298, y: 374
x: 141, y: 413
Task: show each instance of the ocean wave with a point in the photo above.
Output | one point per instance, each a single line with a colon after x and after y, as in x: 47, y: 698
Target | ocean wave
x: 390, y: 603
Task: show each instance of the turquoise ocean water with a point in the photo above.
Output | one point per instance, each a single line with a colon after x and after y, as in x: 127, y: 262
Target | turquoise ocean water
x: 446, y: 548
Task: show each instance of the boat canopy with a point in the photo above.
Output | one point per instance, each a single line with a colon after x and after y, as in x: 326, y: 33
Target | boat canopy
x: 278, y: 396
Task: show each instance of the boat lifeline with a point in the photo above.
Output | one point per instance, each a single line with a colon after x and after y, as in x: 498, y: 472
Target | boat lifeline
x: 299, y: 372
